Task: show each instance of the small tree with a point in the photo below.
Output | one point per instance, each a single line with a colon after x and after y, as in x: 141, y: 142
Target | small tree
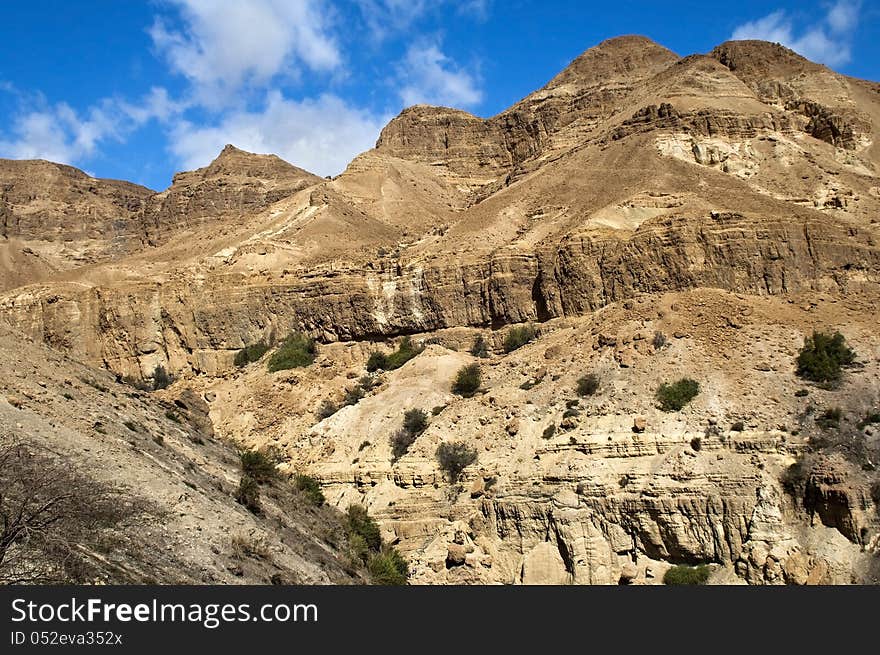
x: 467, y: 380
x: 361, y: 525
x: 388, y: 568
x: 673, y: 397
x: 251, y: 353
x: 454, y: 458
x: 415, y: 421
x: 588, y: 385
x: 377, y: 361
x: 823, y: 356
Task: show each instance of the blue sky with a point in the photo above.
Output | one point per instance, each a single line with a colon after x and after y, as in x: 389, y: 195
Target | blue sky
x: 140, y: 90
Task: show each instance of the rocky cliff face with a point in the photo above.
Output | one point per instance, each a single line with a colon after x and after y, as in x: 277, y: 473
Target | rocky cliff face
x: 727, y: 200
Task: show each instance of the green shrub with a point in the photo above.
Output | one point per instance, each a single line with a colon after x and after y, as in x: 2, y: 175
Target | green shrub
x: 415, y: 421
x: 401, y: 440
x: 249, y: 493
x: 258, y: 466
x: 479, y: 348
x: 687, y: 575
x: 377, y: 361
x: 588, y: 385
x: 673, y: 397
x: 405, y: 352
x: 454, y: 458
x: 298, y: 350
x: 549, y: 431
x: 251, y: 353
x: 363, y: 529
x: 519, y: 336
x: 310, y: 488
x: 388, y: 568
x: 823, y: 355
x: 467, y: 380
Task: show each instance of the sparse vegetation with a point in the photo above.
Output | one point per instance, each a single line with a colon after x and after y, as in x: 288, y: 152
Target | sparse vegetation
x: 249, y: 493
x: 659, y: 341
x: 588, y: 385
x: 823, y: 356
x: 251, y: 353
x: 353, y: 395
x: 385, y: 565
x: 871, y: 418
x: 467, y: 380
x: 801, y: 393
x: 326, y: 409
x: 310, y: 488
x: 415, y: 421
x: 673, y: 397
x: 739, y: 426
x: 519, y: 336
x: 549, y: 431
x: 297, y: 351
x: 480, y: 348
x: 436, y: 410
x: 258, y: 466
x: 696, y: 444
x: 687, y: 575
x: 830, y: 418
x: 161, y: 378
x: 454, y: 458
x: 406, y: 350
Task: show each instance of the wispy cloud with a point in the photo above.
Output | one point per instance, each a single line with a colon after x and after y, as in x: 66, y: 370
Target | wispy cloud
x: 427, y: 75
x: 386, y: 17
x: 320, y: 134
x: 221, y: 47
x: 57, y: 132
x: 827, y: 40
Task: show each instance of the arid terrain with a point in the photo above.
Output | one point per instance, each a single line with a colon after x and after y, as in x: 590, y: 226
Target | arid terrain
x: 643, y: 218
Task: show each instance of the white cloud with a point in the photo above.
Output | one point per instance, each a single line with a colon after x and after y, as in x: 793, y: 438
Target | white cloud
x: 427, y: 75
x: 828, y: 40
x: 60, y: 134
x: 385, y: 17
x: 321, y: 135
x: 225, y: 46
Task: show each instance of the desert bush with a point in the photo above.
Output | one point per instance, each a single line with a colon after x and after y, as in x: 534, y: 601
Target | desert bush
x: 388, y: 567
x: 401, y: 440
x: 739, y: 426
x: 549, y: 431
x: 406, y: 350
x: 415, y: 421
x: 454, y: 458
x: 480, y: 348
x: 161, y: 379
x: 326, y: 409
x: 588, y: 385
x: 56, y: 523
x: 673, y: 397
x: 258, y: 466
x: 801, y: 393
x: 436, y: 410
x: 823, y: 356
x: 871, y: 418
x: 659, y: 340
x: 519, y: 336
x: 377, y: 361
x: 687, y: 575
x: 361, y: 527
x: 467, y: 380
x: 696, y: 443
x: 310, y: 488
x: 571, y: 412
x: 297, y: 350
x: 830, y: 418
x: 249, y: 493
x: 251, y: 353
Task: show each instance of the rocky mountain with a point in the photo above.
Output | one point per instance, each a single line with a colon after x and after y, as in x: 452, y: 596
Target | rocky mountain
x: 727, y: 202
